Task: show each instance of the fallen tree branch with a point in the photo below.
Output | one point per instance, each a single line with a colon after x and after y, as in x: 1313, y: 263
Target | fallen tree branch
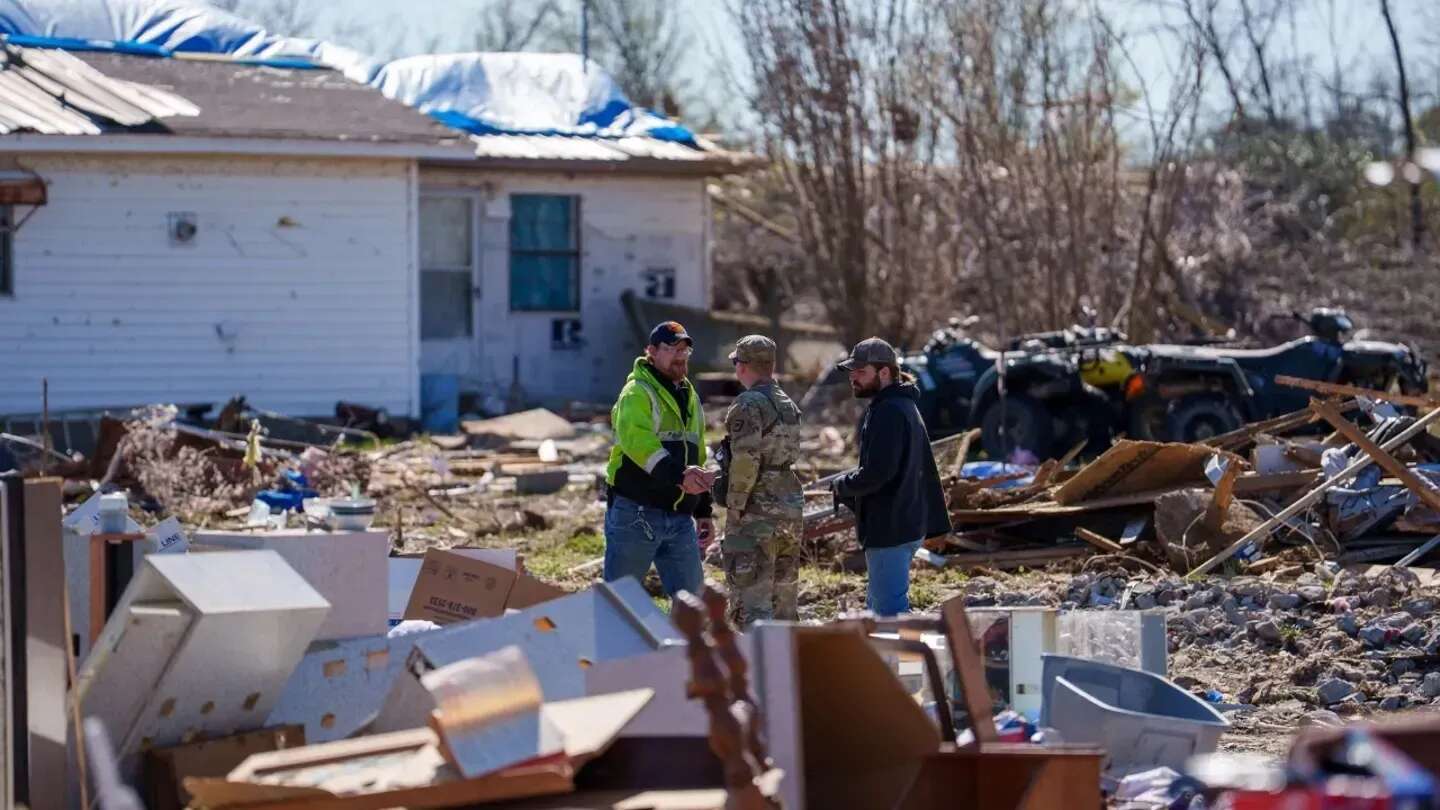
x: 405, y: 476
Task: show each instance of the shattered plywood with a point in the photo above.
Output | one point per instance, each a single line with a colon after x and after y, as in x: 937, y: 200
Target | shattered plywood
x: 1131, y: 467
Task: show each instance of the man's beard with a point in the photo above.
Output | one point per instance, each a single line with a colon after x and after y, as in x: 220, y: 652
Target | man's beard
x: 866, y: 392
x: 675, y: 370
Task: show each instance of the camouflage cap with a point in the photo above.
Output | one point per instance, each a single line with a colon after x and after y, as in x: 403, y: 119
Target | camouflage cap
x: 754, y: 349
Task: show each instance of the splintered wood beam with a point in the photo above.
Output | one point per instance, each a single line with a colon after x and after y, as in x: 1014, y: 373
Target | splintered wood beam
x: 963, y: 450
x: 1099, y: 541
x: 1219, y: 505
x: 1387, y: 462
x: 1338, y: 389
x: 1280, y: 424
x: 965, y: 655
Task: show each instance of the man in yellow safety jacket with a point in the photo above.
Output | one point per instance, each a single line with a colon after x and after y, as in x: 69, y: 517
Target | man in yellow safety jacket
x: 658, y: 500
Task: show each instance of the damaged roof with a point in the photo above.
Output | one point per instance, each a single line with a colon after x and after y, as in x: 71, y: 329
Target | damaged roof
x: 239, y: 100
x: 572, y: 151
x: 58, y: 92
x: 55, y: 93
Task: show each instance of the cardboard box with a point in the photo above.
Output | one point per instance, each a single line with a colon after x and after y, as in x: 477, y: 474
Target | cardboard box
x: 404, y: 569
x: 453, y: 587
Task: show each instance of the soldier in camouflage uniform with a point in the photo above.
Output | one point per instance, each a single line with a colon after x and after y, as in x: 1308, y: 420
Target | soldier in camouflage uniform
x: 761, y: 492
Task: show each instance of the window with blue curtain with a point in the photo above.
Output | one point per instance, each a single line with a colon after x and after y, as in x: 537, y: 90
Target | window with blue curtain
x: 544, y: 253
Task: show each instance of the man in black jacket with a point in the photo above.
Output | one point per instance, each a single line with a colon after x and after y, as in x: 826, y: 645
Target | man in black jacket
x: 895, y: 492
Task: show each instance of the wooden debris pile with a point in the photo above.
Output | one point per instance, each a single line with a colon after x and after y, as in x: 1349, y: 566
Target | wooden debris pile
x: 1344, y: 480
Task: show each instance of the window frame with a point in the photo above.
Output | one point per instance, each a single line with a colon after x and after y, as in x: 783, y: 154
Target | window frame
x: 473, y: 269
x: 574, y: 253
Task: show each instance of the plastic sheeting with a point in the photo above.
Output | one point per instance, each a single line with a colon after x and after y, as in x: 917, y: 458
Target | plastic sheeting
x: 480, y: 93
x: 165, y: 27
x: 521, y: 93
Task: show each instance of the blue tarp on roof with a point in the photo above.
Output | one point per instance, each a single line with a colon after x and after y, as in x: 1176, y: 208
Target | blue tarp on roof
x: 482, y: 93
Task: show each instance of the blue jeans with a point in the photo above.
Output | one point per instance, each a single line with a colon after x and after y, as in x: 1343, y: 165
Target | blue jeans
x: 637, y: 535
x: 887, y: 593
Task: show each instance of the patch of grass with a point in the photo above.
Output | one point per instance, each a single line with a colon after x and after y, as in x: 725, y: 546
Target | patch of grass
x: 822, y: 589
x: 554, y: 561
x: 588, y: 544
x: 930, y: 588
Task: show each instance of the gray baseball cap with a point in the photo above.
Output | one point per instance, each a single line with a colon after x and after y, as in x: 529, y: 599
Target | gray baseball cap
x: 870, y: 350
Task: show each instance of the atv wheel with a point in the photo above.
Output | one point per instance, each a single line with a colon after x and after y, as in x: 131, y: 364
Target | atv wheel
x: 1149, y: 419
x: 1197, y: 418
x: 1027, y: 426
x: 1089, y: 418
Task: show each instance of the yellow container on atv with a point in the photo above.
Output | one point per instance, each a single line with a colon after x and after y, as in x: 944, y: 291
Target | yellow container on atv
x: 1105, y: 367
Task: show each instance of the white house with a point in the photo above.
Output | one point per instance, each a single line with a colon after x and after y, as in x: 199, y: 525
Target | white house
x: 212, y: 228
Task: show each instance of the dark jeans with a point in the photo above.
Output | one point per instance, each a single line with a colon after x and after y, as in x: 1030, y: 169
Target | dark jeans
x: 637, y: 535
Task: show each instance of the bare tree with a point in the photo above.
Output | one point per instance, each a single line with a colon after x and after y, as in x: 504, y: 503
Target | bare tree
x: 294, y: 18
x: 641, y: 43
x: 510, y: 25
x: 1417, y: 211
x: 837, y: 94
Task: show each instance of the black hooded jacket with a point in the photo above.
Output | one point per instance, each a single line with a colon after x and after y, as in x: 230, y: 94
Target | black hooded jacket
x: 895, y: 492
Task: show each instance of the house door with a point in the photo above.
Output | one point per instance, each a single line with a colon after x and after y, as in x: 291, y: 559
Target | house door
x: 449, y: 284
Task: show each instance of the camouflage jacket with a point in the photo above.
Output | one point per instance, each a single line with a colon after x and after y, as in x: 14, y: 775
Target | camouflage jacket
x: 763, y: 429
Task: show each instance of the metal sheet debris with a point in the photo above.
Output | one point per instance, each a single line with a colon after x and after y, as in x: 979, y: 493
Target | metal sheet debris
x: 200, y: 644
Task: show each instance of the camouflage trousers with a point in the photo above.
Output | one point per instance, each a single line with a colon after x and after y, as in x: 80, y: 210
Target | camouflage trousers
x: 762, y: 569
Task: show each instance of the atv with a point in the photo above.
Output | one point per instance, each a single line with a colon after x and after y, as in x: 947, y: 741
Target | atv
x: 1189, y: 393
x: 1058, y: 389
x: 946, y: 370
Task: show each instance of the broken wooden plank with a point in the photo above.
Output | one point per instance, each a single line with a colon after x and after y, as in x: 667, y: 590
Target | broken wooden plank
x: 1219, y: 505
x: 1253, y: 483
x: 1303, y: 502
x: 1337, y: 389
x: 1098, y: 541
x: 964, y: 450
x: 1073, y: 453
x: 965, y: 657
x: 1131, y: 466
x: 1286, y: 422
x: 1016, y: 558
x: 1387, y: 462
x: 1267, y: 564
x: 1372, y: 554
